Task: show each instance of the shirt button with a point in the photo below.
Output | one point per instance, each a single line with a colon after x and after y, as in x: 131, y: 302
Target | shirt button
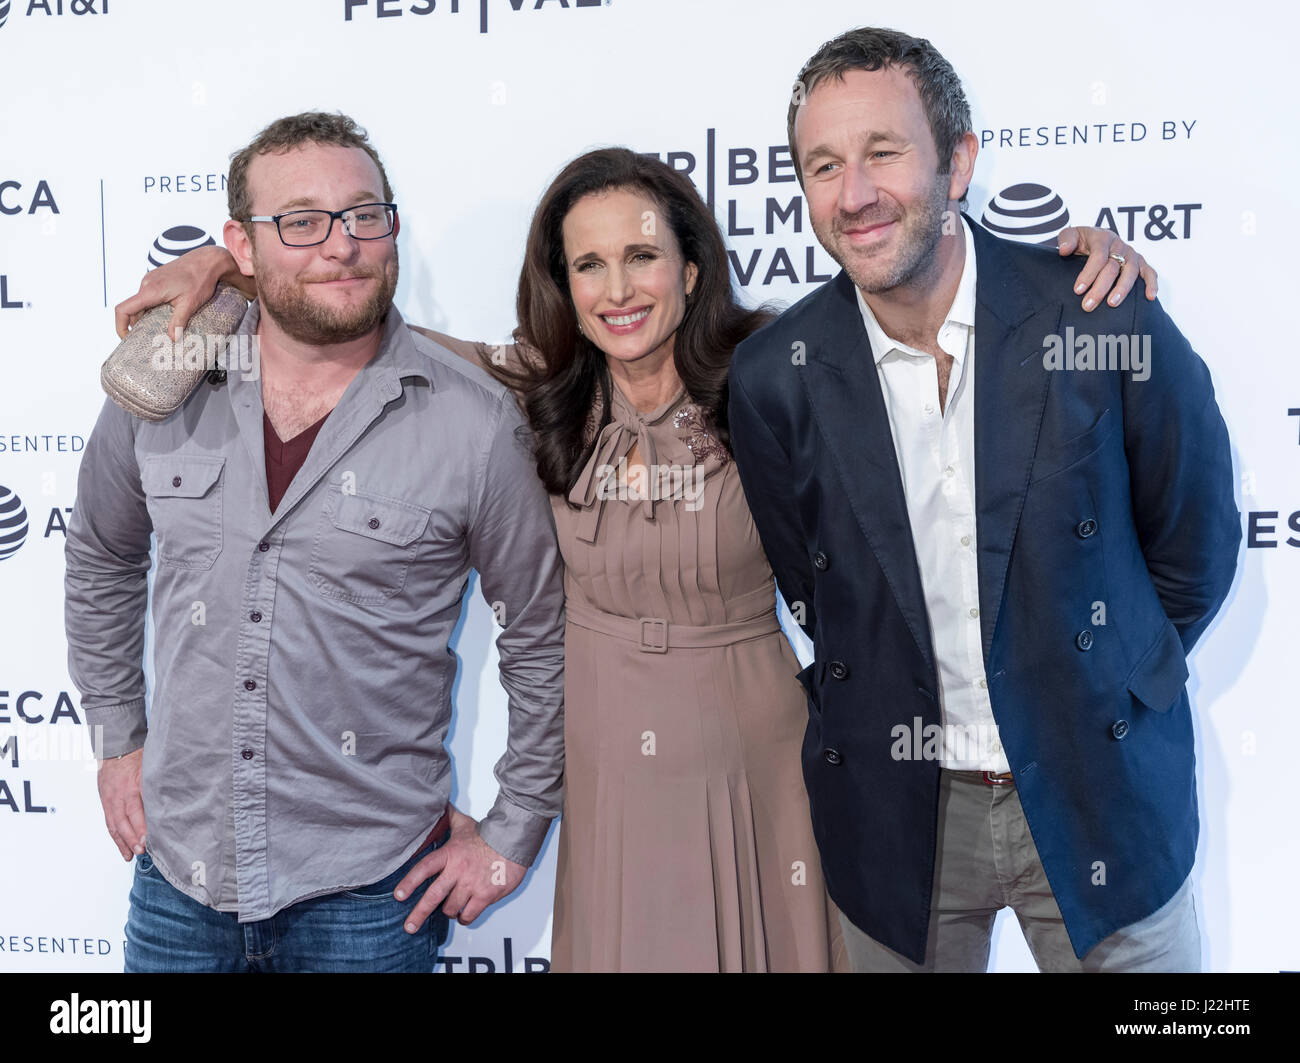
x: 263, y: 547
x: 255, y: 617
x: 821, y: 561
x: 247, y: 754
x: 1083, y: 640
x: 929, y: 407
x: 249, y: 685
x: 984, y: 684
x: 832, y: 756
x: 1119, y: 728
x: 974, y: 614
x: 1085, y: 529
x: 965, y: 540
x: 372, y: 523
x: 176, y: 481
x: 839, y: 670
x: 949, y: 471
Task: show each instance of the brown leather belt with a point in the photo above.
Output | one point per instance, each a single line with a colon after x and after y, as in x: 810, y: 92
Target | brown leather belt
x: 988, y: 778
x: 439, y: 829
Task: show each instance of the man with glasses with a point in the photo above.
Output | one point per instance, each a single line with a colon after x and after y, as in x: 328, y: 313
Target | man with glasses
x: 314, y: 531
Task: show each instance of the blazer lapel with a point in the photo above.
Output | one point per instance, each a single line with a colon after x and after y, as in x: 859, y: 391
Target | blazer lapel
x: 843, y: 389
x: 1010, y: 395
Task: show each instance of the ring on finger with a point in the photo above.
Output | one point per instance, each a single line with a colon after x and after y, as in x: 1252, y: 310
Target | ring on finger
x: 1118, y: 258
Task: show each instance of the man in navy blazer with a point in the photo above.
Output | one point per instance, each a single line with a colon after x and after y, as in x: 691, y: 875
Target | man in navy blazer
x: 995, y: 515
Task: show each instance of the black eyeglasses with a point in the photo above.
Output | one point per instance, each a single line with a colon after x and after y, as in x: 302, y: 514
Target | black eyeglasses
x: 306, y: 228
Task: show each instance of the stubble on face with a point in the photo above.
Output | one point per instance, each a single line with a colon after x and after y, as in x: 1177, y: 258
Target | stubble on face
x: 916, y: 255
x: 289, y: 303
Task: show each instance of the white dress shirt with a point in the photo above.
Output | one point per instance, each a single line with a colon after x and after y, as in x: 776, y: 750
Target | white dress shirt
x: 936, y: 457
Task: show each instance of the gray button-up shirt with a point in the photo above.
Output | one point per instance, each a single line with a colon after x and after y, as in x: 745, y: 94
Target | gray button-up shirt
x: 293, y: 744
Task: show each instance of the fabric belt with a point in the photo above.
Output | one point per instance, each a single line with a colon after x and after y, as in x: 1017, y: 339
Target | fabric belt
x: 655, y: 635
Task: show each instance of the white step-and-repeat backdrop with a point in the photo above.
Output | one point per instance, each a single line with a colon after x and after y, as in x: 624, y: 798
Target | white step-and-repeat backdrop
x: 1168, y: 122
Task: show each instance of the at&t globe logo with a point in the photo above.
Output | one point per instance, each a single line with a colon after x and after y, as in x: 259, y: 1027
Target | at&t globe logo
x: 13, y: 523
x: 176, y: 241
x: 1027, y: 213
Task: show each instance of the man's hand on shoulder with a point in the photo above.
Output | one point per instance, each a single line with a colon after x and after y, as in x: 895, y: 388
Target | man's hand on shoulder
x: 468, y: 875
x: 119, y: 793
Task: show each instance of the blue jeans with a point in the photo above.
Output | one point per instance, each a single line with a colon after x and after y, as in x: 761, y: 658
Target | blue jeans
x: 168, y: 932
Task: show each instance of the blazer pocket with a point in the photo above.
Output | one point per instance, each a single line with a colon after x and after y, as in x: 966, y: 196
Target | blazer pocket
x: 364, y: 546
x: 1053, y: 458
x: 183, y: 494
x: 1158, y: 679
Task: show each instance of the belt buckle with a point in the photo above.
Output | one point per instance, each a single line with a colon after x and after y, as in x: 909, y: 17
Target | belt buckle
x: 991, y: 779
x: 659, y: 635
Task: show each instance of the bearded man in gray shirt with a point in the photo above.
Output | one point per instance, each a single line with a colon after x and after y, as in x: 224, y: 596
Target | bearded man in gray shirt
x: 315, y: 527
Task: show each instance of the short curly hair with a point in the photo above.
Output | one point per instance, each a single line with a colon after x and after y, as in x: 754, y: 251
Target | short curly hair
x: 284, y: 134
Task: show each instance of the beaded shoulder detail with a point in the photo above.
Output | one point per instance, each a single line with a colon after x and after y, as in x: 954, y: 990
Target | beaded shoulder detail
x: 703, y: 445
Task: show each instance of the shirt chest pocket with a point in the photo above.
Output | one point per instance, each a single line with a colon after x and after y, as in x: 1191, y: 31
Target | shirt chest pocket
x: 364, y: 546
x: 183, y: 493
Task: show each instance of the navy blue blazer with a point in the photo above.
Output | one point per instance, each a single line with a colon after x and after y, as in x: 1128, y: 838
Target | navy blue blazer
x: 1090, y: 487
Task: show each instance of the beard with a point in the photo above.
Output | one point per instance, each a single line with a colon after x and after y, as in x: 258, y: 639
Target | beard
x: 914, y: 256
x: 288, y: 303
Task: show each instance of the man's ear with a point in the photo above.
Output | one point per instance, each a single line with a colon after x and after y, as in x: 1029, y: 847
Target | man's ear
x: 961, y: 168
x: 240, y: 245
x: 397, y: 226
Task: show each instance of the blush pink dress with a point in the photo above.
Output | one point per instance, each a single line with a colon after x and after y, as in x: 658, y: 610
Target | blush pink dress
x: 686, y: 842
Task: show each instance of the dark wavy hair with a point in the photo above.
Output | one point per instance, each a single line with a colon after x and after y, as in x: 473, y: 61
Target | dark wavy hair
x: 558, y: 388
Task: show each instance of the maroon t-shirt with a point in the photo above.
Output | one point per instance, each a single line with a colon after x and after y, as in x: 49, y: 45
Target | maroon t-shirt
x: 283, y: 460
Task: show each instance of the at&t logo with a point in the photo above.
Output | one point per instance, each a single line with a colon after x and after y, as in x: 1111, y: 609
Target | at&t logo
x: 13, y: 523
x: 176, y: 241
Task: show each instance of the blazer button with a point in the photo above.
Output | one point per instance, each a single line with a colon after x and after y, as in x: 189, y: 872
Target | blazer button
x: 839, y: 670
x: 1119, y: 728
x: 821, y: 561
x: 832, y: 756
x: 1083, y: 640
x: 1086, y: 529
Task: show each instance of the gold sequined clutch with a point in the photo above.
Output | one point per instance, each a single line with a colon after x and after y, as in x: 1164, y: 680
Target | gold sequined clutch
x: 150, y: 376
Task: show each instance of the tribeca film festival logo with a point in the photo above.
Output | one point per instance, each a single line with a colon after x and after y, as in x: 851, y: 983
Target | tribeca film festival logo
x: 741, y: 186
x: 14, y: 200
x: 1033, y: 213
x: 55, y: 7
x: 41, y: 733
x: 354, y: 9
x: 1262, y: 531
